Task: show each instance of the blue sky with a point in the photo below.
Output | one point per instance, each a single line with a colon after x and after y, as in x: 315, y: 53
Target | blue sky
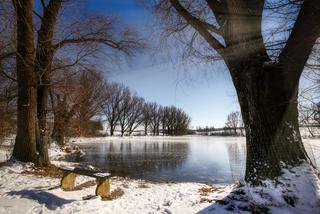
x: 205, y: 92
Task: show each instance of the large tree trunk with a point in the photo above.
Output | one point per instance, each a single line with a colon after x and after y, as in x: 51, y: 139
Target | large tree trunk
x: 25, y: 145
x: 267, y: 93
x: 268, y: 100
x: 42, y: 134
x: 44, y: 56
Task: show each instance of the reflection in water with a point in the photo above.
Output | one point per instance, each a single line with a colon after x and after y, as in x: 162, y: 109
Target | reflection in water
x: 143, y: 159
x: 237, y: 154
x: 190, y: 159
x: 313, y: 151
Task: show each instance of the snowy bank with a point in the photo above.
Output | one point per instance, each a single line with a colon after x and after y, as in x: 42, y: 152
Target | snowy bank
x: 297, y: 191
x: 21, y: 193
x: 27, y: 193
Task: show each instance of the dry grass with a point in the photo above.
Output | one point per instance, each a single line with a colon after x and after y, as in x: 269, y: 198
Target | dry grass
x: 115, y: 194
x: 205, y: 200
x: 143, y: 185
x: 204, y: 191
x: 49, y: 171
x: 125, y: 185
x: 86, y: 184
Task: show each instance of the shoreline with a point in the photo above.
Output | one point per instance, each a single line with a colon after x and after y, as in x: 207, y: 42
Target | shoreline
x: 30, y: 193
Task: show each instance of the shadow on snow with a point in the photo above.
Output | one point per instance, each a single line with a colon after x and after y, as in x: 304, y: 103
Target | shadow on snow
x: 51, y: 201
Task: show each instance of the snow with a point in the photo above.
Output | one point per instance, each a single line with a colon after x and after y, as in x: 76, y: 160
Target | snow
x: 41, y: 194
x: 68, y: 168
x: 299, y: 186
x: 25, y: 193
x: 99, y: 174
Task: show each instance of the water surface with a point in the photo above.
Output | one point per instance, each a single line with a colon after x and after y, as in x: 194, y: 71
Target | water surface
x: 177, y: 159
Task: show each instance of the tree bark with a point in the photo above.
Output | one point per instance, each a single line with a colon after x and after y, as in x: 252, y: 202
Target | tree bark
x: 268, y: 101
x: 43, y: 62
x: 111, y: 128
x: 267, y: 93
x: 62, y: 117
x: 58, y: 132
x: 25, y: 144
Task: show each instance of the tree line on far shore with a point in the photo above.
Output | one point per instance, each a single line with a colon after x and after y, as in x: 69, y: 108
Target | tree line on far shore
x: 309, y: 118
x: 83, y: 101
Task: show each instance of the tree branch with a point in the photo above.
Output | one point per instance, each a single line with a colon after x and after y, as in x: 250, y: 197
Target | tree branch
x: 303, y: 36
x: 7, y: 55
x: 7, y: 75
x: 122, y: 45
x: 43, y: 3
x: 199, y: 26
x: 218, y: 10
x: 37, y: 14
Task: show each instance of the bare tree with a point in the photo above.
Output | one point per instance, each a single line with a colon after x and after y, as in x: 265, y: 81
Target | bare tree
x: 111, y: 105
x: 25, y: 145
x: 130, y: 112
x: 164, y: 119
x: 75, y: 99
x: 233, y: 121
x: 146, y: 116
x: 134, y: 118
x: 89, y: 34
x: 124, y: 110
x: 64, y: 103
x: 155, y: 117
x: 7, y: 106
x: 176, y: 121
x: 267, y: 86
x: 182, y: 122
x: 8, y: 79
x: 89, y: 96
x: 306, y: 118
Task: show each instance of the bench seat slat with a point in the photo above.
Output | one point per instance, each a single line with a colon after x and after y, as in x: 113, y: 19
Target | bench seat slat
x: 87, y: 172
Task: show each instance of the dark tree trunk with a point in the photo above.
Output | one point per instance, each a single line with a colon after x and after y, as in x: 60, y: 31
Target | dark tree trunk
x: 268, y: 100
x: 122, y: 131
x: 59, y: 131
x: 25, y: 145
x: 145, y: 129
x: 267, y: 93
x: 157, y: 130
x: 42, y: 133
x: 111, y: 129
x: 43, y: 62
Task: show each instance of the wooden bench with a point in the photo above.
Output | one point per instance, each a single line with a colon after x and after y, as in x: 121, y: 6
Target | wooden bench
x: 69, y: 177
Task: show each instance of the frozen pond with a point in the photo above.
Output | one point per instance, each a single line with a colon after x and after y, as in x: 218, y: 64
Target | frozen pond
x: 181, y: 159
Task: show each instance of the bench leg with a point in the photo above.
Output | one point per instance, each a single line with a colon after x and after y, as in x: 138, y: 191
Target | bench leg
x: 68, y: 181
x: 103, y: 188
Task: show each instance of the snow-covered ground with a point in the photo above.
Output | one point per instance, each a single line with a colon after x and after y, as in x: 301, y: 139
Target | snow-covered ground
x: 21, y: 193
x: 24, y: 193
x: 297, y: 192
